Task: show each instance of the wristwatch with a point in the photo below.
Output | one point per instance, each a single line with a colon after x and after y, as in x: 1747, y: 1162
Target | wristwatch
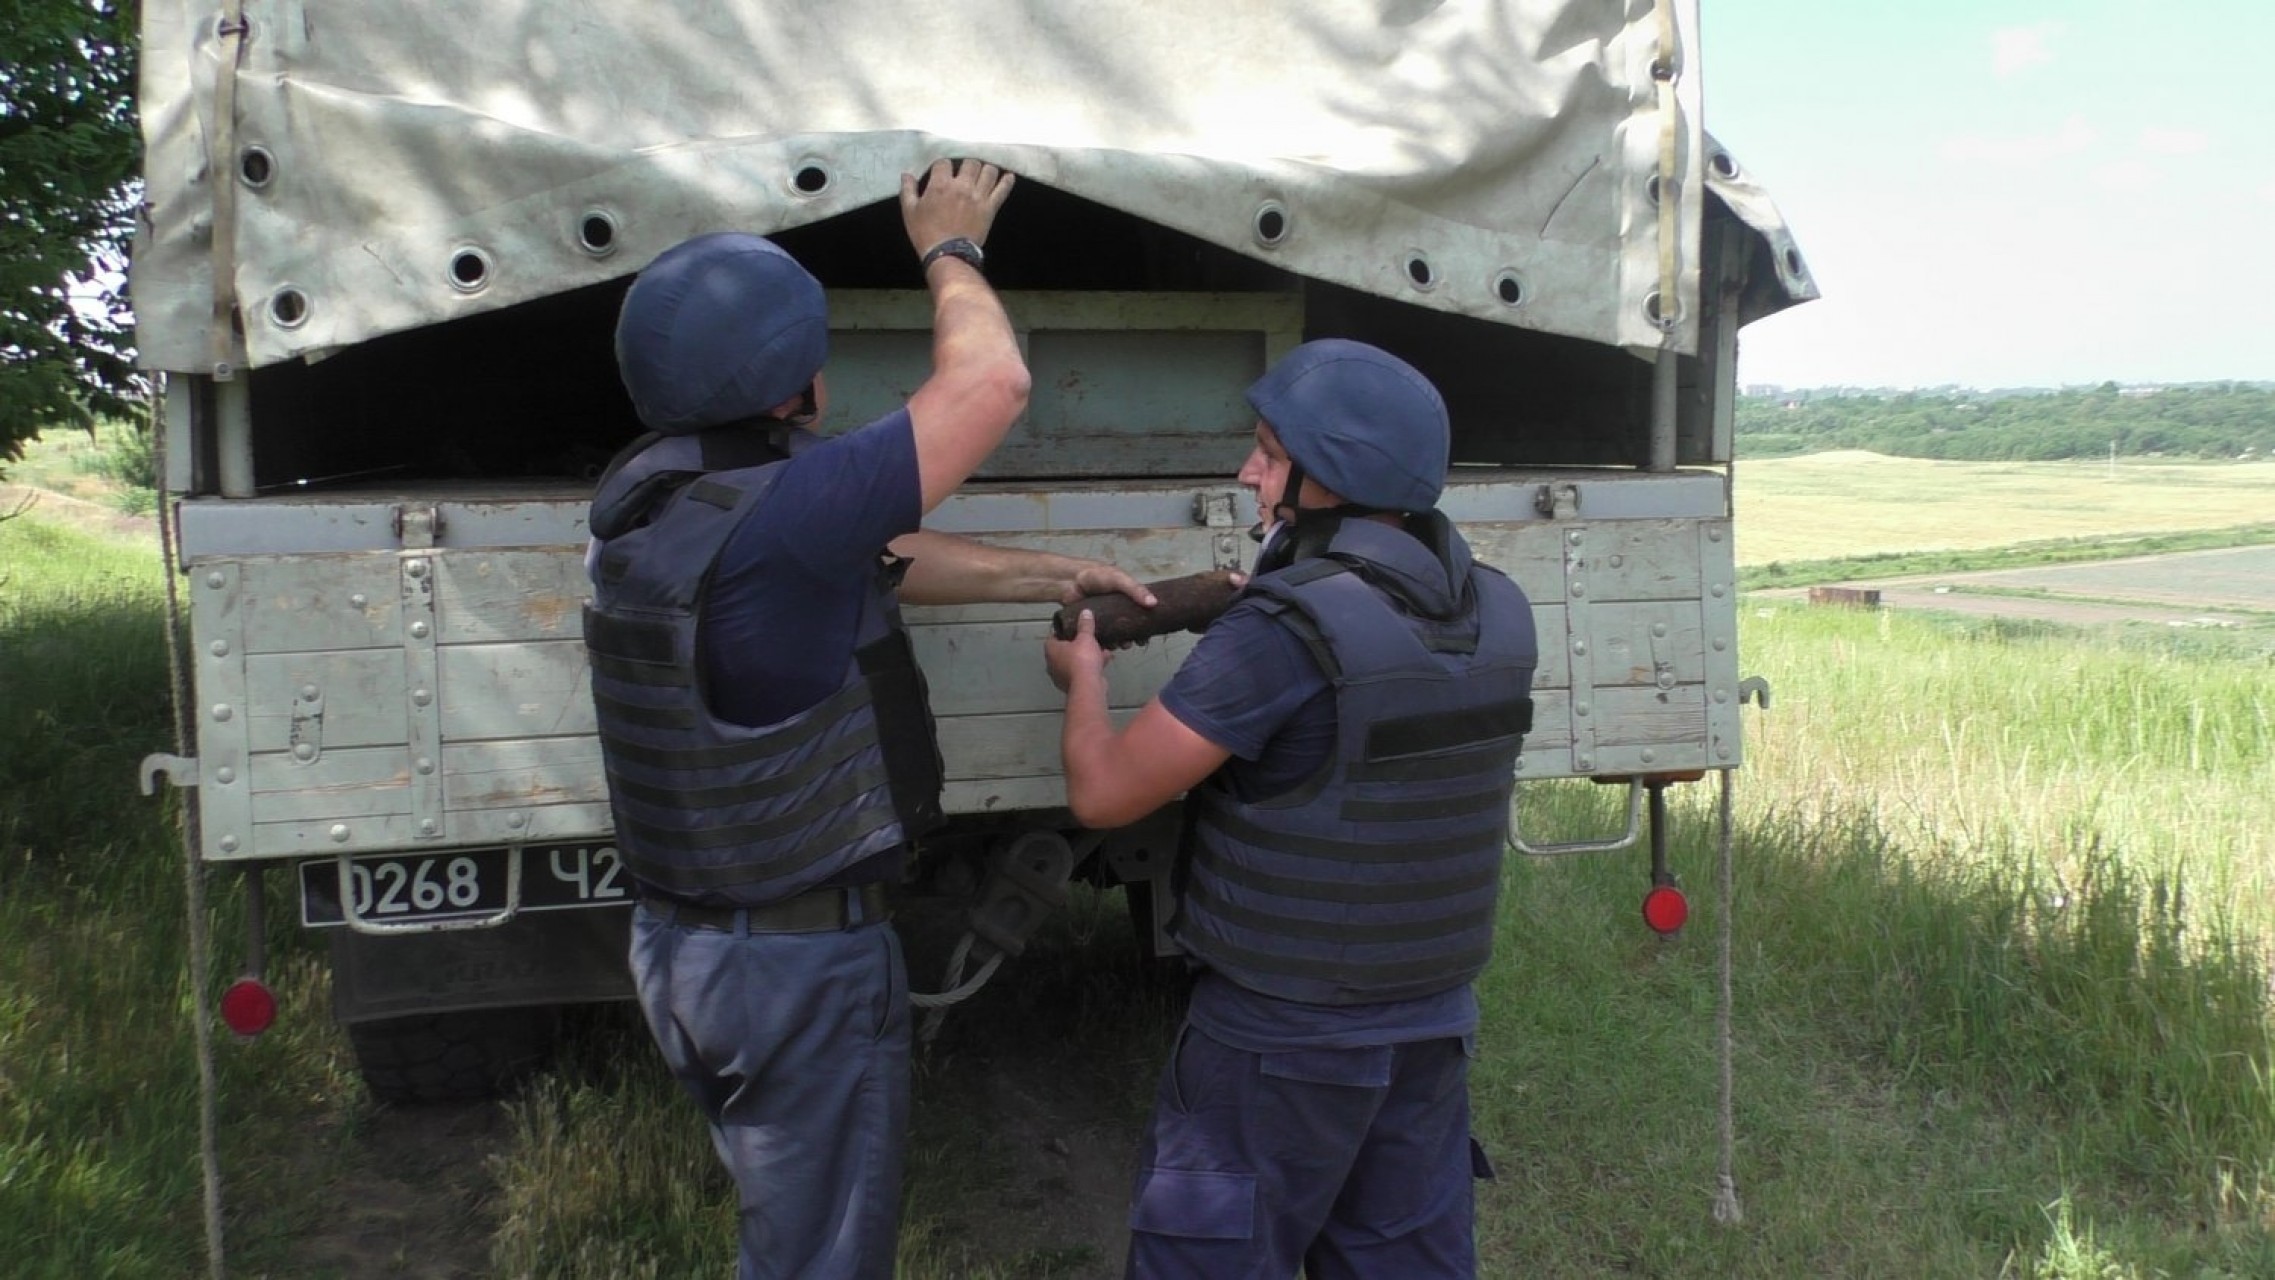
x: 954, y: 247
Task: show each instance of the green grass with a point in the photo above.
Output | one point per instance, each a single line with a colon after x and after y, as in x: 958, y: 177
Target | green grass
x: 98, y: 1084
x: 2002, y: 903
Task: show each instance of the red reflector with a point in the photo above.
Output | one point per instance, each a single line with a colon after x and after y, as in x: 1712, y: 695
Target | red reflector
x: 248, y: 1007
x: 1665, y: 909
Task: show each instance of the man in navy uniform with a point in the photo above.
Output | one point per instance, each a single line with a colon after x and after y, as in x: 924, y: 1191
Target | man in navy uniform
x: 1348, y: 734
x: 769, y: 750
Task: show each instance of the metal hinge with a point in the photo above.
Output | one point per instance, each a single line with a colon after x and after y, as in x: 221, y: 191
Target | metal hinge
x: 1558, y: 501
x: 1219, y: 512
x: 418, y: 527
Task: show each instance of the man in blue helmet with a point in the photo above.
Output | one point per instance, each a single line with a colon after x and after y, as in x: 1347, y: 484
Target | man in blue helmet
x: 1347, y: 734
x: 769, y: 751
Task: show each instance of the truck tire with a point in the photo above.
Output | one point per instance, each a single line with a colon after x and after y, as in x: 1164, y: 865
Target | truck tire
x: 452, y: 1057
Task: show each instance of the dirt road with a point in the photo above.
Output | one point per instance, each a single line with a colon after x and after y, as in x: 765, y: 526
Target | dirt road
x: 2228, y: 587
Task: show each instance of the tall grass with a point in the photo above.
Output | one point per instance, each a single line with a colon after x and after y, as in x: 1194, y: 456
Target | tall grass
x: 112, y: 462
x: 2000, y: 991
x: 99, y: 1164
x: 85, y: 924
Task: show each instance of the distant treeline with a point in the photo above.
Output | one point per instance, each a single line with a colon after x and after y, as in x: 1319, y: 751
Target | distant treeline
x: 2224, y: 420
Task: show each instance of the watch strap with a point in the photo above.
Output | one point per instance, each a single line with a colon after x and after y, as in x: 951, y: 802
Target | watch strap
x: 954, y: 247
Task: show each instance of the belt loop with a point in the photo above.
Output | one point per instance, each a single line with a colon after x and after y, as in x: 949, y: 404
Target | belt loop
x: 742, y: 923
x: 852, y: 898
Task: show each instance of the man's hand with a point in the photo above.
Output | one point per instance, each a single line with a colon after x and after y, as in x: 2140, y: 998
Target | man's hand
x: 955, y: 198
x: 1079, y: 659
x: 1096, y: 578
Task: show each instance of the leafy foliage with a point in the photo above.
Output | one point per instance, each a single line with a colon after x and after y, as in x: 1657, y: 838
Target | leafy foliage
x: 2220, y: 420
x: 70, y: 148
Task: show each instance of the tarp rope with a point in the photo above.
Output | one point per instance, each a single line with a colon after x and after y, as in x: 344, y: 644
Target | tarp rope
x: 1664, y: 71
x: 955, y: 987
x: 1726, y: 1208
x: 193, y: 871
x: 221, y: 171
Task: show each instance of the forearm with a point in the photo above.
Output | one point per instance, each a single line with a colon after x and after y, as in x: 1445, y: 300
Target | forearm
x: 1087, y: 743
x: 970, y: 329
x: 979, y: 383
x: 947, y: 569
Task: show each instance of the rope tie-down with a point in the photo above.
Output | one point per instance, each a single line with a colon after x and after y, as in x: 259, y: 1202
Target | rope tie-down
x: 1026, y: 881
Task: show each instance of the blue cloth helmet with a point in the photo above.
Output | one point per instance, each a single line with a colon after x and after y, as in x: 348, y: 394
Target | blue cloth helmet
x: 1360, y: 421
x: 719, y: 328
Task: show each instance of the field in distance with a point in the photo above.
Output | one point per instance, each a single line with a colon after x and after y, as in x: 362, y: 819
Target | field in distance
x: 1850, y: 503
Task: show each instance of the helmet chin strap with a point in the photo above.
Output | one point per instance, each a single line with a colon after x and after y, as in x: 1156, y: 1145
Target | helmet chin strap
x: 808, y: 408
x: 1305, y: 531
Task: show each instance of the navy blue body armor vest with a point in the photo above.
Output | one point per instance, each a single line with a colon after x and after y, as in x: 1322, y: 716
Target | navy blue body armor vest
x: 708, y: 810
x: 1375, y: 879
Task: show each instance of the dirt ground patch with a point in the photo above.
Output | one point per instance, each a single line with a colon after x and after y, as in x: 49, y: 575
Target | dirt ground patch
x: 413, y: 1204
x: 79, y: 513
x: 2227, y: 587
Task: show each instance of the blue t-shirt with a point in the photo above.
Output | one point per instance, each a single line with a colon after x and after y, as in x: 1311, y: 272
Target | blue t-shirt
x: 1252, y: 687
x: 784, y: 605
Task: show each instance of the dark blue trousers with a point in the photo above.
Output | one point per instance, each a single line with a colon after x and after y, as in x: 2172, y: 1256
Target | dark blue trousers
x: 796, y: 1048
x: 1345, y: 1163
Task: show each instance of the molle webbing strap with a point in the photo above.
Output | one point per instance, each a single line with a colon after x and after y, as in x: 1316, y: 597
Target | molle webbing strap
x: 1386, y: 977
x: 768, y: 788
x: 631, y: 639
x: 720, y: 837
x: 644, y: 717
x: 1362, y: 852
x: 633, y: 651
x: 655, y: 675
x: 711, y: 493
x: 1310, y: 570
x: 1426, y: 929
x: 1347, y: 892
x: 818, y: 720
x: 676, y: 877
x: 1494, y: 801
x: 1448, y: 731
x: 1426, y: 768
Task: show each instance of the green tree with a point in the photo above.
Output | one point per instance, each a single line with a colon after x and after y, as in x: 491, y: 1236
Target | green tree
x: 70, y: 149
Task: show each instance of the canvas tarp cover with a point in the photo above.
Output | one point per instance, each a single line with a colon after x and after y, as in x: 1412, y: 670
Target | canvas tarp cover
x: 378, y: 154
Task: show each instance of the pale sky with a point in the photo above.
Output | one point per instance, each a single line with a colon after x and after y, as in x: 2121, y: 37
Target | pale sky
x: 2001, y: 193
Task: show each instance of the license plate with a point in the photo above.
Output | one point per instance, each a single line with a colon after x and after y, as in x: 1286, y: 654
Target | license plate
x: 462, y: 883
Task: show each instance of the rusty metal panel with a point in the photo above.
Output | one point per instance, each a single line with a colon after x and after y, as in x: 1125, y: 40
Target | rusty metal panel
x: 360, y: 692
x: 522, y: 774
x: 1718, y: 625
x: 537, y: 690
x: 360, y: 783
x: 222, y: 714
x: 1653, y: 643
x: 531, y: 823
x: 986, y: 669
x: 484, y: 596
x: 499, y: 513
x: 300, y: 603
x: 421, y: 696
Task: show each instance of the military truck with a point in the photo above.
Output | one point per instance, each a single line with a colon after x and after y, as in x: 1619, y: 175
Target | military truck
x: 381, y: 255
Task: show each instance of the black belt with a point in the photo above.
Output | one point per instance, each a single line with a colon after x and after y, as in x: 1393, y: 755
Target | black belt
x: 814, y: 911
